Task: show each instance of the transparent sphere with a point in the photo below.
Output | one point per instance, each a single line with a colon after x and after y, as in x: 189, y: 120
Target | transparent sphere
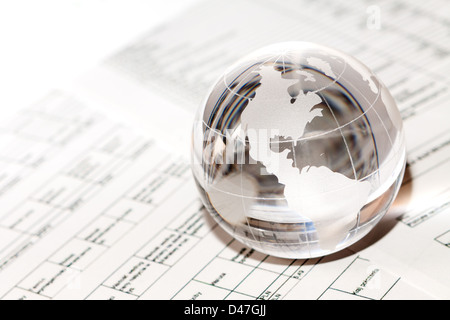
x: 298, y: 150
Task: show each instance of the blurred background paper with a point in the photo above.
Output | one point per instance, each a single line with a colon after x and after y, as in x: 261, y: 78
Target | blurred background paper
x: 50, y: 42
x: 95, y: 187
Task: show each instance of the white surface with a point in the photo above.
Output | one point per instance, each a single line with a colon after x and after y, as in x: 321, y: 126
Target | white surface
x: 49, y: 42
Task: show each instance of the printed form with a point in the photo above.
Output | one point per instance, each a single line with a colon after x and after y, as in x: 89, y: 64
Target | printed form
x: 97, y: 197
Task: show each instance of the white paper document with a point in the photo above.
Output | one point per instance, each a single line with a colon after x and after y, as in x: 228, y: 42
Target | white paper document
x: 96, y: 193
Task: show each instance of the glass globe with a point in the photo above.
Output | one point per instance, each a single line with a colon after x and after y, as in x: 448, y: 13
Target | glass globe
x: 298, y: 150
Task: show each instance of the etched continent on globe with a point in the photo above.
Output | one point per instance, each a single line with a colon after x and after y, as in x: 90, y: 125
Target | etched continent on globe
x: 329, y: 199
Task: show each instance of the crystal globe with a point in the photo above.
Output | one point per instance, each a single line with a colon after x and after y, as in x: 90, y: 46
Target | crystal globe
x: 298, y: 150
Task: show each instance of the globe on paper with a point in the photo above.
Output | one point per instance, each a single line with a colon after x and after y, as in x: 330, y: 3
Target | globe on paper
x: 298, y: 150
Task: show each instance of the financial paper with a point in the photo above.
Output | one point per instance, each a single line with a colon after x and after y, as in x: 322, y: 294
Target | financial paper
x: 97, y: 197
